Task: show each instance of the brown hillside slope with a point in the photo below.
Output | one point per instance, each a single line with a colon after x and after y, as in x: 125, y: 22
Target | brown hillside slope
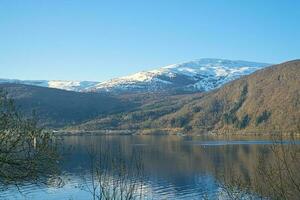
x: 263, y: 102
x: 267, y: 101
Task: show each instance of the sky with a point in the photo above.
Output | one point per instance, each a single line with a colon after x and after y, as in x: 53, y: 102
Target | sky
x: 99, y: 40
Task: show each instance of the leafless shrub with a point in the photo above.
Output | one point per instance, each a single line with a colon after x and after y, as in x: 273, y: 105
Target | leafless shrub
x: 112, y: 177
x: 276, y: 174
x: 27, y: 153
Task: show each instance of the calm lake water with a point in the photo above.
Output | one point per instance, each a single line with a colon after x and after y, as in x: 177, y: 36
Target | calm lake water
x: 173, y: 167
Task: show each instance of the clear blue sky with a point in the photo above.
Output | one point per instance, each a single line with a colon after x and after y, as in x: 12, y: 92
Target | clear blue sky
x: 99, y: 40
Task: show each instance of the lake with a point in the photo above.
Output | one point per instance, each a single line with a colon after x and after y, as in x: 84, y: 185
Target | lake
x: 166, y: 167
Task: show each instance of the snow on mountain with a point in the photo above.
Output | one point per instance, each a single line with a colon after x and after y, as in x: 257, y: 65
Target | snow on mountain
x: 77, y: 86
x: 198, y: 75
x: 64, y: 85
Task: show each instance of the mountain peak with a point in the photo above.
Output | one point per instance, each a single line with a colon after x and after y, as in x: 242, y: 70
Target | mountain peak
x: 197, y: 75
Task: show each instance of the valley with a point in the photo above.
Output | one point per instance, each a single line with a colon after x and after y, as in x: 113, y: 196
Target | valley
x: 256, y: 103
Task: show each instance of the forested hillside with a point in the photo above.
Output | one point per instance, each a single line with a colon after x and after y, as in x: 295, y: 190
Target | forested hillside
x: 265, y: 101
x: 58, y: 108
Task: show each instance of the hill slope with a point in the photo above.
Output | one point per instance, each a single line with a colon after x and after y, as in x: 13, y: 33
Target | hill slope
x: 55, y: 108
x: 265, y: 101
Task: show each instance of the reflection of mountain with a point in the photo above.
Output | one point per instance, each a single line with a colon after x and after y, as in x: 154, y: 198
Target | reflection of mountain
x: 171, y: 153
x: 173, y: 163
x: 175, y: 167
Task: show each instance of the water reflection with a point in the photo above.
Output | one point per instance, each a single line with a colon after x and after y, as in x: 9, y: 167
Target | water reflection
x: 173, y: 167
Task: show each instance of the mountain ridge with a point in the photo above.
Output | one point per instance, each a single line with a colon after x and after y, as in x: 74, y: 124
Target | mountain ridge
x: 76, y: 86
x: 57, y: 108
x: 266, y: 101
x: 197, y: 75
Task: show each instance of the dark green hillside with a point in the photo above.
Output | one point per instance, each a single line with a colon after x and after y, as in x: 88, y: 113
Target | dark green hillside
x: 265, y: 101
x: 55, y: 108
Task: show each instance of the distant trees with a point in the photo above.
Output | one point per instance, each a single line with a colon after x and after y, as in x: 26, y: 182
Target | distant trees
x: 180, y: 121
x: 196, y: 109
x: 263, y: 117
x: 244, y: 121
x: 27, y: 153
x: 214, y: 107
x: 231, y: 118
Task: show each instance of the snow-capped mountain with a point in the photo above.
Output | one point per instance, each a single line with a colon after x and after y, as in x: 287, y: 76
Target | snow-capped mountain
x: 198, y: 75
x: 77, y: 86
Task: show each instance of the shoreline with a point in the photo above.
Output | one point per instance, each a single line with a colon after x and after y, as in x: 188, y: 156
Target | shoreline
x: 168, y: 132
